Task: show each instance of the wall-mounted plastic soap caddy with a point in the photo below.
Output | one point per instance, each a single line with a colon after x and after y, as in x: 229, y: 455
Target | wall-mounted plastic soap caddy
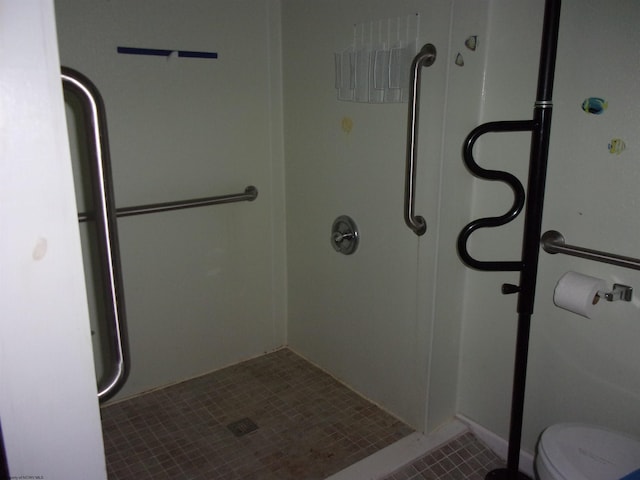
x: 375, y: 67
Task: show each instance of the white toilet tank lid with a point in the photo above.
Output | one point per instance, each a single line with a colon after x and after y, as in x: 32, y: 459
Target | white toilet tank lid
x: 579, y: 451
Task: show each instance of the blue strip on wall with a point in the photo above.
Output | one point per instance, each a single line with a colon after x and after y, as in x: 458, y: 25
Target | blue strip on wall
x: 189, y: 54
x: 144, y: 51
x: 165, y: 53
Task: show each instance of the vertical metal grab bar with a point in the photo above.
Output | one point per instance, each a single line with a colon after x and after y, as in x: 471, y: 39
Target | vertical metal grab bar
x: 105, y: 217
x: 424, y: 58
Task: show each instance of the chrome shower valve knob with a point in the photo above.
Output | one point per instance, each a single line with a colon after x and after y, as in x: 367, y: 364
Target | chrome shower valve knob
x: 344, y: 235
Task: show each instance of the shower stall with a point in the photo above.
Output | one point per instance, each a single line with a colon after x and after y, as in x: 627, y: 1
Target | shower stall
x: 208, y: 287
x: 211, y: 286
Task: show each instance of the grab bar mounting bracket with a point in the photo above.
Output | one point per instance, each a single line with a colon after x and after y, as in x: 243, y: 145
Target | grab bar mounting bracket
x: 620, y: 292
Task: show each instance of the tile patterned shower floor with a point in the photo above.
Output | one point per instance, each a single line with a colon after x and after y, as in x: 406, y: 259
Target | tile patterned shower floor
x: 463, y: 458
x: 309, y: 426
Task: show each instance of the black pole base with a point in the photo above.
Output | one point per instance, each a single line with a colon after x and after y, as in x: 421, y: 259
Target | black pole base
x: 505, y: 474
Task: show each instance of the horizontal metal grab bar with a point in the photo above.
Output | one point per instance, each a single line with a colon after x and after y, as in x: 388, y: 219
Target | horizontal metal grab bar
x: 250, y: 194
x: 553, y: 242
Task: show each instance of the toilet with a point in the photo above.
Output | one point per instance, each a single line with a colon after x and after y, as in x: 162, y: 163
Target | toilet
x: 573, y: 451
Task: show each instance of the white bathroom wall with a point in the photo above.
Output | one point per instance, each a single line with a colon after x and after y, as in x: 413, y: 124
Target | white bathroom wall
x: 386, y: 319
x: 353, y: 315
x: 583, y: 370
x: 464, y: 95
x: 203, y: 287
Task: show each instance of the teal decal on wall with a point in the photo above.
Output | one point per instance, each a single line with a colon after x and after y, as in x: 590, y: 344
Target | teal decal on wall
x: 594, y: 105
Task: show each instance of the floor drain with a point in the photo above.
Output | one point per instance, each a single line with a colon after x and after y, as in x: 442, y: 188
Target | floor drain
x: 242, y: 427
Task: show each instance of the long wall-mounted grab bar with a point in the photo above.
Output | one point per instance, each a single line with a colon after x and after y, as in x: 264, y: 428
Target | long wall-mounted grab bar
x: 553, y: 242
x: 424, y: 58
x: 250, y: 193
x: 96, y: 127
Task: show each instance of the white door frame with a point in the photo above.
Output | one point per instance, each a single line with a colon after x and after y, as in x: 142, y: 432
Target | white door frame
x: 48, y: 404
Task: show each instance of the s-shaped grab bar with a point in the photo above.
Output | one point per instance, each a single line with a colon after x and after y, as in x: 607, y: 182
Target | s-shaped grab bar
x: 424, y: 58
x: 509, y: 179
x: 103, y: 198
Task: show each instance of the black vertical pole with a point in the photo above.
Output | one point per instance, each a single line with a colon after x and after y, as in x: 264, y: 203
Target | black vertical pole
x: 4, y: 464
x: 532, y: 231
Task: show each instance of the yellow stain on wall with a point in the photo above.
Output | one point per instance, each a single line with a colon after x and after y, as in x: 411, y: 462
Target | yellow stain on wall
x: 616, y: 146
x: 347, y: 124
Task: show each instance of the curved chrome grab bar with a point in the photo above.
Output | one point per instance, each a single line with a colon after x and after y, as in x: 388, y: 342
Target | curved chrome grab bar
x: 509, y: 179
x: 424, y: 58
x: 93, y: 109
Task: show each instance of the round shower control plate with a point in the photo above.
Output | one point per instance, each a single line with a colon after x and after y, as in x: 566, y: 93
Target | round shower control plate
x: 344, y: 235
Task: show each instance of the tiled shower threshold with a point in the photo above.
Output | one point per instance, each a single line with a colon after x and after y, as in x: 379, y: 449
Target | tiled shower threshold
x: 452, y: 452
x: 277, y: 417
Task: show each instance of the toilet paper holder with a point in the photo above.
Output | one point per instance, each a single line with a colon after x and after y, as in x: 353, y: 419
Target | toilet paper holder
x: 619, y: 292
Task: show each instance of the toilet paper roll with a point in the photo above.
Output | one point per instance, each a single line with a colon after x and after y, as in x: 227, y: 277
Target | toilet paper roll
x: 578, y: 293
